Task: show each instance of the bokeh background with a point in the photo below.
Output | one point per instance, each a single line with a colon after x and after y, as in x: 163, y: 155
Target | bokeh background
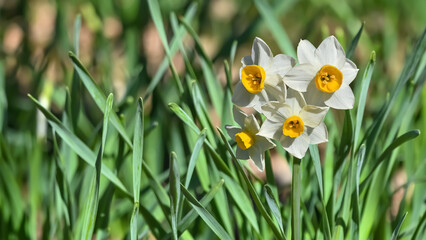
x: 121, y: 48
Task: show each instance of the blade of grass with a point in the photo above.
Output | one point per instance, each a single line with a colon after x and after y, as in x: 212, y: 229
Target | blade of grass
x: 313, y: 149
x: 137, y: 167
x: 192, y: 214
x: 92, y: 203
x: 365, y: 83
x: 354, y: 43
x: 190, y: 123
x: 194, y: 156
x: 78, y: 146
x: 174, y: 193
x: 251, y: 189
x: 205, y: 215
x: 277, y: 31
x: 296, y: 228
x: 174, y: 46
x: 398, y: 227
x: 241, y: 200
x: 75, y: 85
x: 273, y: 206
x: 385, y: 155
x: 154, y: 9
x: 98, y: 96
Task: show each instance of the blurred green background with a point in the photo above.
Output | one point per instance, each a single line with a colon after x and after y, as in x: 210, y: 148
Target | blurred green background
x: 122, y: 50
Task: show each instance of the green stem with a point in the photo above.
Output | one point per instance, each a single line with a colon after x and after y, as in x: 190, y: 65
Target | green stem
x: 295, y: 201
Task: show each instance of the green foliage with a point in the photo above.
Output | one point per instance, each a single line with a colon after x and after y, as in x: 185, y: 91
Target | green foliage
x: 156, y: 164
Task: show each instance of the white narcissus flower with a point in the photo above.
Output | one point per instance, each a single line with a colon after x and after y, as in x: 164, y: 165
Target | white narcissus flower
x: 294, y: 124
x: 324, y: 73
x: 261, y: 76
x: 250, y: 145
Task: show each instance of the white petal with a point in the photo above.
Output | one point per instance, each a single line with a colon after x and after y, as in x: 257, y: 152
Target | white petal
x: 331, y: 52
x: 343, y: 98
x: 313, y: 96
x: 251, y: 124
x: 242, y: 154
x: 300, y: 76
x: 281, y: 64
x: 318, y: 135
x: 349, y: 72
x: 242, y: 97
x: 296, y: 146
x: 306, y: 53
x: 277, y: 111
x: 278, y: 92
x: 296, y: 101
x: 312, y: 116
x: 232, y: 130
x: 263, y: 143
x: 258, y: 157
x: 247, y: 60
x: 261, y: 53
x: 271, y: 129
x: 239, y: 116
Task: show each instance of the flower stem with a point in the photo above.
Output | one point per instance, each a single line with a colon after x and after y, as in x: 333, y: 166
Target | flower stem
x: 295, y: 200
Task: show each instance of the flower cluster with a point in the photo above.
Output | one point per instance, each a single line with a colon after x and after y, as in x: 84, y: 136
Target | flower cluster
x: 294, y: 98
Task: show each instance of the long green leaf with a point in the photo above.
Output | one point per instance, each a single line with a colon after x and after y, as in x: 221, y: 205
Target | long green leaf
x: 98, y: 96
x: 205, y: 215
x: 241, y: 200
x: 174, y: 193
x: 273, y: 206
x: 275, y: 27
x: 78, y: 146
x: 251, y: 189
x: 398, y: 227
x: 398, y: 142
x: 93, y: 197
x: 354, y: 42
x: 296, y: 178
x: 365, y: 83
x: 194, y: 156
x: 137, y: 167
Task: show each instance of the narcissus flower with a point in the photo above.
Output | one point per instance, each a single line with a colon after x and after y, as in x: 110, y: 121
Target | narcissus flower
x: 324, y: 73
x: 261, y: 76
x: 294, y: 124
x: 250, y: 145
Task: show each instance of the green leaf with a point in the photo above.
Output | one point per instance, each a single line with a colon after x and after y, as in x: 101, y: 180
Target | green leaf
x: 92, y: 203
x: 273, y: 206
x: 398, y: 227
x: 194, y: 156
x: 251, y: 189
x: 78, y: 146
x: 241, y: 200
x: 174, y: 193
x: 362, y: 99
x: 313, y: 149
x: 98, y: 96
x: 189, y: 122
x: 192, y: 215
x: 159, y: 191
x: 154, y: 9
x: 174, y: 46
x: 354, y: 42
x: 296, y: 178
x: 277, y: 31
x: 75, y: 85
x: 205, y: 215
x: 356, y: 203
x: 137, y: 167
x: 385, y: 155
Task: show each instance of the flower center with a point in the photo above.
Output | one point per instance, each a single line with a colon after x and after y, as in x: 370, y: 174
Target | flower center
x: 253, y: 78
x: 328, y: 79
x: 293, y: 126
x: 244, y: 140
